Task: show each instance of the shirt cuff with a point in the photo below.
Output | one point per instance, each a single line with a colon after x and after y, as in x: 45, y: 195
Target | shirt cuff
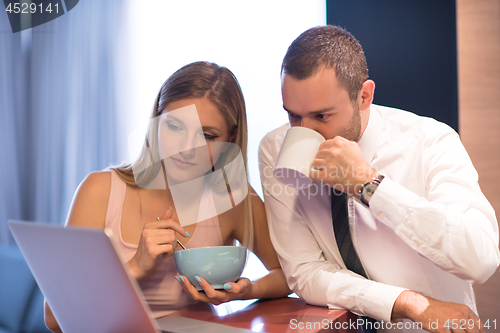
x: 379, y: 301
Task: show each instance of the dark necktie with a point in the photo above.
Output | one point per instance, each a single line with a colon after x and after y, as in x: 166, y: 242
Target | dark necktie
x: 340, y: 218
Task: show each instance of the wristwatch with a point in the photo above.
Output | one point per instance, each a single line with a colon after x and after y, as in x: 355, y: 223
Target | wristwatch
x: 368, y: 188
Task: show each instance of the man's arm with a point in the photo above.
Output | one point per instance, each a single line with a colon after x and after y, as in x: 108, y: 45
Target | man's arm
x: 452, y: 224
x: 314, y: 278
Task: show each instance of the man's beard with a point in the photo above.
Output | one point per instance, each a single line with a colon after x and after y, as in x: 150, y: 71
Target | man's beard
x: 353, y: 131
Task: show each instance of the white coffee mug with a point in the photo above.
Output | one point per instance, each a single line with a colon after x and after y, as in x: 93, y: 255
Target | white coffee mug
x: 296, y: 155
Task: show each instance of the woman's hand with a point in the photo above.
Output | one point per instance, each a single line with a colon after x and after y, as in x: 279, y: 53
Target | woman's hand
x: 157, y: 238
x: 232, y: 291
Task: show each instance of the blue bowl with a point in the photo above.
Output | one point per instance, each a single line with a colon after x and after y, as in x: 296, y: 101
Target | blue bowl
x: 216, y: 264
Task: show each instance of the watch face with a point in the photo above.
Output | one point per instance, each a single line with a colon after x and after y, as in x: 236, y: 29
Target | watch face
x: 368, y: 191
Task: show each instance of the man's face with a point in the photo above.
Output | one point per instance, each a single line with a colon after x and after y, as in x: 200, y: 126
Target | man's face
x: 321, y: 104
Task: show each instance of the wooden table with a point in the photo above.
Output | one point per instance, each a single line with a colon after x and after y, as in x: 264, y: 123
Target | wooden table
x: 277, y: 315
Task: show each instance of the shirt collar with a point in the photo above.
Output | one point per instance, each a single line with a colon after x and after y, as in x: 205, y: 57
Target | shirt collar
x: 371, y: 137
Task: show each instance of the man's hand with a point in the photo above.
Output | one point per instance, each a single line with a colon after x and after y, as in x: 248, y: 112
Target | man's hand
x: 436, y: 316
x: 341, y: 164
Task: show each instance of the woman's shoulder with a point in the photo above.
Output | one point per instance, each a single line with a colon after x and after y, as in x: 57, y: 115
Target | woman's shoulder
x: 90, y: 203
x: 97, y: 183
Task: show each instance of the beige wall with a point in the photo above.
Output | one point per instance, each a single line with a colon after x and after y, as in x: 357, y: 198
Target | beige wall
x: 478, y: 36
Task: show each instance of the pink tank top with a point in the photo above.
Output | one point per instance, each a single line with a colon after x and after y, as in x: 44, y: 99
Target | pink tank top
x: 162, y: 292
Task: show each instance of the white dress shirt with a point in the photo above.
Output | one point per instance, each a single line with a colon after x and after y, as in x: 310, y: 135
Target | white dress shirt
x: 429, y: 228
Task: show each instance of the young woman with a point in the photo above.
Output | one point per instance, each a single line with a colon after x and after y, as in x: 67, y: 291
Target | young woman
x: 198, y: 119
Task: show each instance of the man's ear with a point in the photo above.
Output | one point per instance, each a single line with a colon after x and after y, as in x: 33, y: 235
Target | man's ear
x: 365, y: 96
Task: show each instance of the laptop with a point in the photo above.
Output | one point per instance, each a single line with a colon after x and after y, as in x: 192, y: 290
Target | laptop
x: 81, y: 274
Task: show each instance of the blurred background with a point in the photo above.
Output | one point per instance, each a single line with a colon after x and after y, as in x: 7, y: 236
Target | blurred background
x: 74, y: 90
x: 76, y: 94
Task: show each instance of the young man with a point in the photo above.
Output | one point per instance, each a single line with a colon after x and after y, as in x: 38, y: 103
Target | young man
x: 418, y: 230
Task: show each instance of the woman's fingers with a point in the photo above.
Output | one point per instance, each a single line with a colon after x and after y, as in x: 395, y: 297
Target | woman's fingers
x: 167, y: 214
x: 209, y: 290
x: 161, y: 241
x: 208, y: 295
x: 232, y: 287
x: 232, y: 290
x: 166, y: 222
x: 157, y: 238
x: 194, y: 293
x: 241, y: 286
x: 162, y: 232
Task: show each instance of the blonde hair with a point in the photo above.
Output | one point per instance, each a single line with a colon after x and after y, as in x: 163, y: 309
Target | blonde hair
x: 220, y: 86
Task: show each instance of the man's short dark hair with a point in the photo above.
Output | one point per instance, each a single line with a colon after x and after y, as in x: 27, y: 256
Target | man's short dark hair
x: 332, y: 47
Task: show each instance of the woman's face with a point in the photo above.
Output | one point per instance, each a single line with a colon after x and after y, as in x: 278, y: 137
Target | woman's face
x: 192, y: 133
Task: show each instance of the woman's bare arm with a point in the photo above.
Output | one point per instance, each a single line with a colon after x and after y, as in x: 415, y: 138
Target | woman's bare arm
x: 272, y: 285
x: 88, y: 209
